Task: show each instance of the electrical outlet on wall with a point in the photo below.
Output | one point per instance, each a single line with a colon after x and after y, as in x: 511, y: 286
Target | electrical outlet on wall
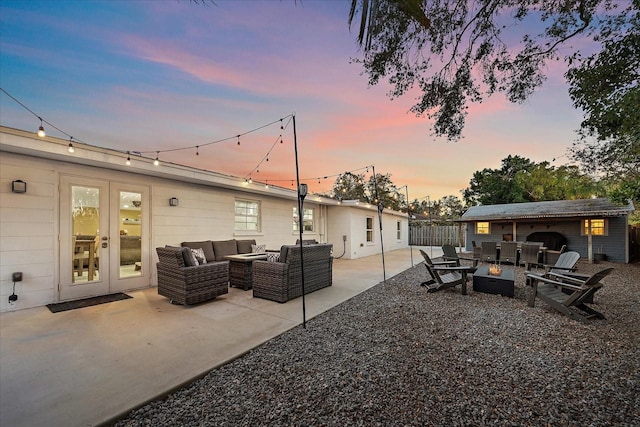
x: 17, y: 277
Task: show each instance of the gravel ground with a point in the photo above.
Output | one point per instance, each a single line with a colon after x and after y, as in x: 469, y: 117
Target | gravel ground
x: 396, y: 355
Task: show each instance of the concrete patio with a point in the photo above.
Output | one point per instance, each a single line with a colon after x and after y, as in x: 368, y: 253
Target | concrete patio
x: 89, y: 366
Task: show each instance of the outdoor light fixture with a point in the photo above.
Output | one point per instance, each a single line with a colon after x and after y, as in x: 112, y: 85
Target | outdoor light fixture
x: 71, y: 149
x: 18, y: 186
x: 156, y: 162
x: 128, y: 159
x: 302, y: 191
x: 41, y: 133
x: 173, y: 201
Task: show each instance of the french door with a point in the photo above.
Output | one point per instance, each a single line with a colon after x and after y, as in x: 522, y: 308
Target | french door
x: 104, y: 234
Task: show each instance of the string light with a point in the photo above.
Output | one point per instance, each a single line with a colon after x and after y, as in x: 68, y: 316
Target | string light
x: 41, y: 132
x: 156, y: 162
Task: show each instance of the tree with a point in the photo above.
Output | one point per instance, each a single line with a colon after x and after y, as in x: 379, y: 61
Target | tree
x: 496, y: 186
x: 456, y: 51
x: 605, y: 87
x: 521, y: 180
x: 381, y: 190
x: 349, y: 186
x: 544, y: 182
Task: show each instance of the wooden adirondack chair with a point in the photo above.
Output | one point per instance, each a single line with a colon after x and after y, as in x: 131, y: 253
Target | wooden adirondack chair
x: 566, y: 262
x: 444, y: 275
x: 450, y: 254
x: 573, y: 304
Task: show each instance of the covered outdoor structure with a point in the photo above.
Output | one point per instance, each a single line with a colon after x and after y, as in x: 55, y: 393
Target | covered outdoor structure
x: 592, y: 227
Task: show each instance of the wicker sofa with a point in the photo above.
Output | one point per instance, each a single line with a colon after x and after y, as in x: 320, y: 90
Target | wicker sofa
x: 281, y: 281
x: 189, y: 284
x: 218, y: 249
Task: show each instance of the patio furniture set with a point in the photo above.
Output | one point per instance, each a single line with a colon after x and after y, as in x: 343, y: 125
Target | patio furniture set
x: 200, y: 271
x: 560, y: 286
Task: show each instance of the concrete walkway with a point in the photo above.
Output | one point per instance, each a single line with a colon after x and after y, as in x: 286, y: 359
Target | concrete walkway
x: 88, y: 366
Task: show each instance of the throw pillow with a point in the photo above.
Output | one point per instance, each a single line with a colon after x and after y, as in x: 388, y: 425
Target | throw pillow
x: 273, y: 256
x: 199, y: 254
x: 189, y: 259
x: 258, y: 249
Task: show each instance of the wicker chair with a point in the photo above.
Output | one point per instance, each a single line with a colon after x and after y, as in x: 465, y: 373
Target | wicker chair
x: 190, y: 285
x: 282, y: 281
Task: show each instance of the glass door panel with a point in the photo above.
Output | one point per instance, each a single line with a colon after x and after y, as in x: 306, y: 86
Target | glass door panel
x: 84, y: 230
x: 130, y: 252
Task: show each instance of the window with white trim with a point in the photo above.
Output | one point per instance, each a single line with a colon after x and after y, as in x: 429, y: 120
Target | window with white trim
x: 369, y: 229
x: 599, y: 227
x: 483, y: 228
x: 307, y: 219
x: 247, y: 215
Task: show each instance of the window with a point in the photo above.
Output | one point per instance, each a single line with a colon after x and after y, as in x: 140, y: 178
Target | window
x: 247, y: 215
x: 482, y: 228
x: 307, y: 219
x: 598, y: 227
x: 369, y: 229
x: 398, y: 230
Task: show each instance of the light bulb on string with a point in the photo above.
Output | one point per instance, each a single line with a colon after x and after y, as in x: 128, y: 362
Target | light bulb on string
x: 197, y: 150
x: 238, y: 139
x: 41, y: 132
x: 71, y: 149
x: 156, y: 162
x: 128, y: 159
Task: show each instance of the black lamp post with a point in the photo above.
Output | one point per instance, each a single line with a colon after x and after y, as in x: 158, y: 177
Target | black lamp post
x: 302, y: 193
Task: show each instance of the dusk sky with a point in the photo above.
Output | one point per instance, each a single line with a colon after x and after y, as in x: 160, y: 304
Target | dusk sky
x: 161, y: 75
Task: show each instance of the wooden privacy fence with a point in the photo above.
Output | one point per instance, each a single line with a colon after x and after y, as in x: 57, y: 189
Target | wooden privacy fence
x: 421, y: 233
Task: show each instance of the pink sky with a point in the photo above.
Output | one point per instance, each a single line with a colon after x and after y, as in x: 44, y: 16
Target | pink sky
x: 154, y: 76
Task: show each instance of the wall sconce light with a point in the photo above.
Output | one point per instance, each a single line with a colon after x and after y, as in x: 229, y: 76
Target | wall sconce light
x: 173, y: 201
x: 18, y: 186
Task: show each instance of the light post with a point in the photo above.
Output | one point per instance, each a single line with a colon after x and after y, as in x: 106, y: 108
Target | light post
x: 380, y: 209
x: 302, y: 193
x: 406, y: 188
x: 430, y: 226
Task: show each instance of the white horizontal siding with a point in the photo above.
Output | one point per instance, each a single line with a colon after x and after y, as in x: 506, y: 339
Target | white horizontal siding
x: 27, y: 231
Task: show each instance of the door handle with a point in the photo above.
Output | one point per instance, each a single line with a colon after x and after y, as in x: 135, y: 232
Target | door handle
x: 104, y: 244
x: 104, y: 238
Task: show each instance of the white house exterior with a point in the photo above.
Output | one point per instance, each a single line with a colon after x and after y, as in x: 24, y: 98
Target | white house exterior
x: 36, y: 228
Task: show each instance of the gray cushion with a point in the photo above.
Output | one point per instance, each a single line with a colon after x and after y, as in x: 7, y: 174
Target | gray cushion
x: 206, y: 246
x: 223, y: 248
x: 189, y: 259
x: 244, y: 246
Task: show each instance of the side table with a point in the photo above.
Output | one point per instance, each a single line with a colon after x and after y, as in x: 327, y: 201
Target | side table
x: 241, y: 269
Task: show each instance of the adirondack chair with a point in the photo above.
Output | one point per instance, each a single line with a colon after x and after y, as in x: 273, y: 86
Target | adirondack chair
x: 444, y: 275
x: 450, y: 254
x: 566, y: 262
x: 489, y: 252
x: 573, y: 304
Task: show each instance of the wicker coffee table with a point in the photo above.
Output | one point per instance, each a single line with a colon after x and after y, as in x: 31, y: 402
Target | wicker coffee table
x: 241, y: 269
